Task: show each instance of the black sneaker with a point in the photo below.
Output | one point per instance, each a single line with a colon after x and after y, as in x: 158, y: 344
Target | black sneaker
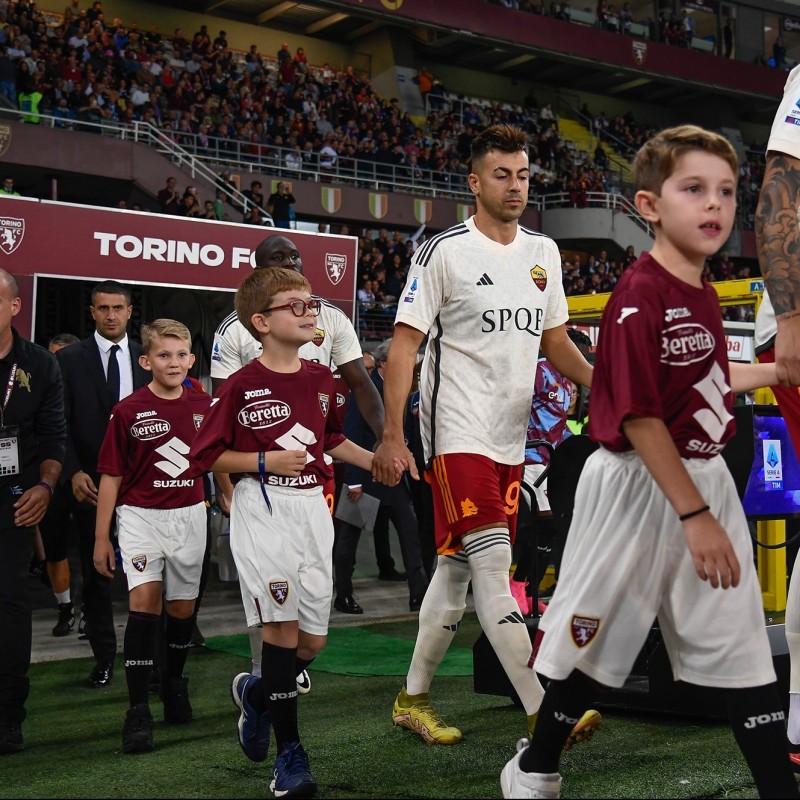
x: 137, y: 732
x: 175, y: 696
x: 66, y: 620
x: 11, y: 738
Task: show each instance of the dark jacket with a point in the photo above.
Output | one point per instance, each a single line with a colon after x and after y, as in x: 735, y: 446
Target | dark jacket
x: 86, y: 404
x: 36, y: 408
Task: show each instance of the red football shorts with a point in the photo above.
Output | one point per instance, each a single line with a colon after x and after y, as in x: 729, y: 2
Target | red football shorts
x: 788, y: 398
x: 471, y: 492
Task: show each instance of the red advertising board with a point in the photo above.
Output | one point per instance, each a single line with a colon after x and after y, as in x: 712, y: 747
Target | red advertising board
x: 48, y: 239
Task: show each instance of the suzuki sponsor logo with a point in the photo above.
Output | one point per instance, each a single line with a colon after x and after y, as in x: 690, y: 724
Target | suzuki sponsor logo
x: 264, y: 414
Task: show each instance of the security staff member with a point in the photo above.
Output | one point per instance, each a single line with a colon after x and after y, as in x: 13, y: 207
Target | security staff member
x: 32, y: 445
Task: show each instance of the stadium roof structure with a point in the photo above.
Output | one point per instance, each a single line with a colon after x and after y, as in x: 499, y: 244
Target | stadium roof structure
x: 553, y: 53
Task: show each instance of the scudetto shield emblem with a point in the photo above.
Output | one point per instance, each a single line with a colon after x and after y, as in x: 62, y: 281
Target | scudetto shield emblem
x: 324, y: 403
x: 5, y: 139
x: 279, y: 590
x: 378, y: 205
x: 139, y: 563
x: 335, y: 267
x: 423, y: 209
x: 12, y: 229
x: 639, y: 51
x: 584, y: 629
x: 331, y: 199
x: 539, y: 278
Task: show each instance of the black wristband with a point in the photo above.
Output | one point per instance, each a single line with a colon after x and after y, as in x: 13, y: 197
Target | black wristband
x: 47, y: 485
x: 684, y: 517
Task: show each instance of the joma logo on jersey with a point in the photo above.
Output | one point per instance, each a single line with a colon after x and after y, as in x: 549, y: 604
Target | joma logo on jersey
x: 504, y: 319
x: 257, y: 393
x: 264, y: 414
x: 143, y: 414
x: 584, y: 629
x: 676, y: 313
x: 150, y: 429
x: 685, y: 344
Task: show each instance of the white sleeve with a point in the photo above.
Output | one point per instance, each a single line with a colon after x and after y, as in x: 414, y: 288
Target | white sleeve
x: 233, y: 348
x: 785, y: 134
x: 345, y: 345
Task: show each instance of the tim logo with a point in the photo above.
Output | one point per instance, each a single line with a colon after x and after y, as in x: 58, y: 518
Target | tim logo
x: 279, y: 590
x: 639, y: 51
x: 335, y: 267
x: 584, y: 629
x: 11, y: 232
x: 139, y: 563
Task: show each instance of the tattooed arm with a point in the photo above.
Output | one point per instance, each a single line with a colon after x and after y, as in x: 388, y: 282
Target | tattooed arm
x: 778, y: 242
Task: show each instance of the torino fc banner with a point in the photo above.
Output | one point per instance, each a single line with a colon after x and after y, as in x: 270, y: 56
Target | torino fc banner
x: 50, y: 239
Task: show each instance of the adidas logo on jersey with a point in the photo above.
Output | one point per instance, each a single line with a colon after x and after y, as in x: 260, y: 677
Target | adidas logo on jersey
x: 485, y: 281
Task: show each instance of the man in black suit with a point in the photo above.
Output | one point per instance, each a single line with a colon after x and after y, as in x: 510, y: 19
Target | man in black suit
x: 97, y: 372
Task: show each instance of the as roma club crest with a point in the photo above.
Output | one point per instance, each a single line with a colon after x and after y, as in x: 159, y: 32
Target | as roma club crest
x: 324, y: 403
x: 584, y: 629
x: 139, y: 563
x: 279, y: 590
x: 539, y: 278
x: 319, y: 337
x: 12, y: 230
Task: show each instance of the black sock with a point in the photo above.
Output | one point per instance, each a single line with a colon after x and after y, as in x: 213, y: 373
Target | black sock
x: 302, y: 663
x: 140, y: 645
x: 564, y: 704
x: 178, y: 634
x: 757, y: 720
x: 279, y: 685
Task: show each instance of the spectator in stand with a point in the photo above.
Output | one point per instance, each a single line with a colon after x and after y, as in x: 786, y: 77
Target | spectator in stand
x: 168, y: 199
x: 727, y: 37
x: 424, y: 81
x: 8, y: 187
x: 300, y: 61
x: 255, y: 196
x: 254, y: 217
x: 279, y: 205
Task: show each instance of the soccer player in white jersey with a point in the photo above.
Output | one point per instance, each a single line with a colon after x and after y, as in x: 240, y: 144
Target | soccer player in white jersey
x: 335, y: 345
x: 161, y: 516
x: 672, y: 540
x: 271, y: 425
x: 777, y: 335
x: 486, y: 294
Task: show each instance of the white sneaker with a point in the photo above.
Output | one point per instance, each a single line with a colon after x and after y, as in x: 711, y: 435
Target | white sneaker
x: 518, y: 784
x: 303, y: 683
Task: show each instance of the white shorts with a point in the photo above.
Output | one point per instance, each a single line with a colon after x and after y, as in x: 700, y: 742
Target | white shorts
x: 626, y: 561
x: 530, y: 473
x: 285, y: 558
x: 163, y: 544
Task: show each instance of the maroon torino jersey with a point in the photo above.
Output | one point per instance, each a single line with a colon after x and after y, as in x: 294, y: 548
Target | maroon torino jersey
x: 257, y: 409
x: 147, y: 443
x: 662, y: 353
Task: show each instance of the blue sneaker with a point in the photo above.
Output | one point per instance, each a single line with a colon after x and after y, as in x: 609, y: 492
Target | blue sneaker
x: 292, y: 775
x: 253, y: 727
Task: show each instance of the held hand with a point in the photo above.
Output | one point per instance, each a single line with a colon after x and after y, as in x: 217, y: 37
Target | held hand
x: 31, y: 507
x: 787, y: 351
x: 83, y: 488
x: 712, y: 551
x: 287, y: 462
x: 104, y: 559
x: 389, y: 458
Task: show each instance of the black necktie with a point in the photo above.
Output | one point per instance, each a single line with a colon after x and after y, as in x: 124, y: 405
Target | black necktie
x: 112, y: 378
